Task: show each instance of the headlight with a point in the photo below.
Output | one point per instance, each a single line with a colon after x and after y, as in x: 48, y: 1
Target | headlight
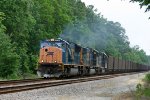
x: 55, y: 61
x: 42, y: 60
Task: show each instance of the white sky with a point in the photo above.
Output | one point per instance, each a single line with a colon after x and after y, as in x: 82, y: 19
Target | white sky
x: 130, y: 16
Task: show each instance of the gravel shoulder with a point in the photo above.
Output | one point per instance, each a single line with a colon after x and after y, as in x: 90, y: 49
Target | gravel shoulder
x: 119, y: 88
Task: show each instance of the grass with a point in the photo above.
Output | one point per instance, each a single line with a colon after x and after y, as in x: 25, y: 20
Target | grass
x: 19, y: 77
x: 147, y: 78
x: 146, y: 92
x: 143, y: 90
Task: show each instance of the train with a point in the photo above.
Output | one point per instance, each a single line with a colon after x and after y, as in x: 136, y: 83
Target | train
x: 61, y: 58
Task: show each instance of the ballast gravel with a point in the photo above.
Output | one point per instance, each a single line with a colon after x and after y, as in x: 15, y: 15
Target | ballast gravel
x: 106, y: 89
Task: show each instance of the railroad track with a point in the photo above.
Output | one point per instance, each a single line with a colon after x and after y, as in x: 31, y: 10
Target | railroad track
x: 19, y: 81
x: 43, y: 84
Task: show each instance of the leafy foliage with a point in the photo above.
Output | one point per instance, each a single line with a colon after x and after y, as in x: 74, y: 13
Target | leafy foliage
x: 143, y: 3
x: 147, y: 77
x: 143, y: 90
x: 8, y: 58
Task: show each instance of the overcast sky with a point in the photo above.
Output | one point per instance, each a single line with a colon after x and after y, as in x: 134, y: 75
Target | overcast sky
x: 130, y: 16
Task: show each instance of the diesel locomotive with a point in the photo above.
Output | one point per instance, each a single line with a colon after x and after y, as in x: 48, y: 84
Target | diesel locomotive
x: 60, y: 58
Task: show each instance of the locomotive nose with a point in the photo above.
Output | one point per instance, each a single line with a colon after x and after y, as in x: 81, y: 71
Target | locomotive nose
x: 51, y: 55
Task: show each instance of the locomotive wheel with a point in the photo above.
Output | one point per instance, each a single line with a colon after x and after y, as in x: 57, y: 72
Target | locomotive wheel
x: 87, y: 71
x: 97, y: 70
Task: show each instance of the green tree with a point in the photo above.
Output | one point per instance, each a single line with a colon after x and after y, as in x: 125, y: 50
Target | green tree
x: 92, y: 27
x: 18, y: 22
x: 8, y: 57
x: 143, y: 3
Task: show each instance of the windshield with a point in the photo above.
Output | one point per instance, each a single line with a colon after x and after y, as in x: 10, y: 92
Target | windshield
x: 51, y: 43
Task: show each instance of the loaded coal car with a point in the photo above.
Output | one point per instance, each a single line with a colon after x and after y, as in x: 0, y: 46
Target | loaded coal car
x: 143, y: 67
x: 117, y: 65
x: 62, y: 58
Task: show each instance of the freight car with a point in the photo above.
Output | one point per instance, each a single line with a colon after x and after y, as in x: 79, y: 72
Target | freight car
x: 60, y: 58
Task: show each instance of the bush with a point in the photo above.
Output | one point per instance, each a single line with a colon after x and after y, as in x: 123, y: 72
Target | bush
x: 147, y: 92
x: 143, y: 90
x: 147, y: 78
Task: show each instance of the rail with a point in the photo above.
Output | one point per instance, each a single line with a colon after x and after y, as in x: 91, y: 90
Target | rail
x: 43, y: 84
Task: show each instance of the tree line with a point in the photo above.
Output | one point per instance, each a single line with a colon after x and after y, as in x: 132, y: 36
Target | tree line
x: 24, y: 23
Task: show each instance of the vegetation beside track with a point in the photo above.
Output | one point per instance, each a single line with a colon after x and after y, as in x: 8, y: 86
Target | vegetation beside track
x: 15, y: 77
x: 143, y: 90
